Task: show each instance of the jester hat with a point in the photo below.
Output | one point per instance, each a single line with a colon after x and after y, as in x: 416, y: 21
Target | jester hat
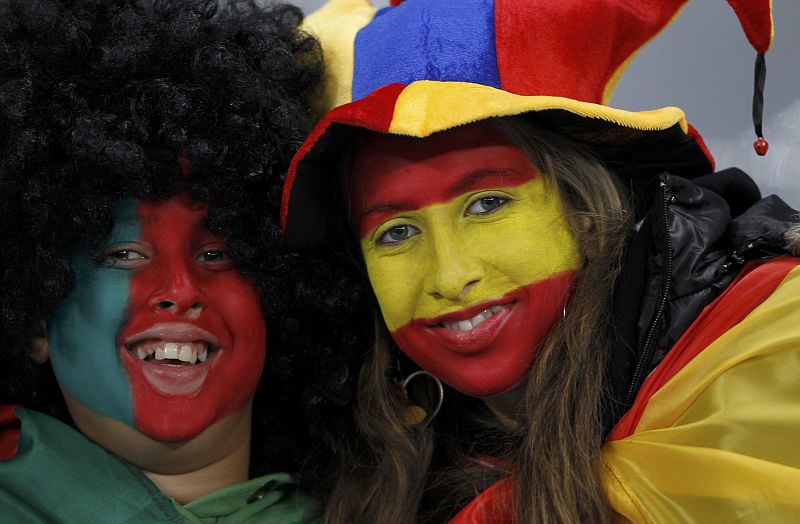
x: 424, y: 66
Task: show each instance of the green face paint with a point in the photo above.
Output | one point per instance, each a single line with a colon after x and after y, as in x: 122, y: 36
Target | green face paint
x: 83, y: 329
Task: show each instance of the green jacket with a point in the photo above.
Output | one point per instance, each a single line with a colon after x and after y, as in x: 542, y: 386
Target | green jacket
x: 58, y: 475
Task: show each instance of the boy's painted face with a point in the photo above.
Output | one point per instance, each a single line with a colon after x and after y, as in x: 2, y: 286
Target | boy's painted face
x: 164, y: 336
x: 467, y: 249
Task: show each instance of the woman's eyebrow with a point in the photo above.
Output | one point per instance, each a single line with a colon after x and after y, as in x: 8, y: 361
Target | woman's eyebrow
x: 490, y: 176
x: 386, y: 207
x: 475, y: 179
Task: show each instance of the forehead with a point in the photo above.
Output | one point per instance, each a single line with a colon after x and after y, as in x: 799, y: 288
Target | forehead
x: 409, y: 172
x: 179, y: 208
x: 175, y: 220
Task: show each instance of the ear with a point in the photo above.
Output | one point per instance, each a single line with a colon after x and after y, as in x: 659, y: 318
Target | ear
x: 39, y: 350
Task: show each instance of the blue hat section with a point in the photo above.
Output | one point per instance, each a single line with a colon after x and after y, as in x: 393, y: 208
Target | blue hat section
x: 447, y: 41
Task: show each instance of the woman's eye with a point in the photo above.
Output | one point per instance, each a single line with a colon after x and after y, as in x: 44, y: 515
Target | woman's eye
x: 397, y: 234
x: 485, y: 205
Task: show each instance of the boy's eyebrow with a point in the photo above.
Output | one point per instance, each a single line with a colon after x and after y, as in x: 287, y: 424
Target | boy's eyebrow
x: 126, y: 219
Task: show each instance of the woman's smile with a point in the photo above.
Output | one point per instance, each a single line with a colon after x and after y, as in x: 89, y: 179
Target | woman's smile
x: 468, y: 332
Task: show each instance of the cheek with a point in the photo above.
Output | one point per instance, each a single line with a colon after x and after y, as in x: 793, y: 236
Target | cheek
x: 240, y: 308
x: 398, y: 283
x: 82, y: 336
x: 237, y: 302
x: 527, y: 246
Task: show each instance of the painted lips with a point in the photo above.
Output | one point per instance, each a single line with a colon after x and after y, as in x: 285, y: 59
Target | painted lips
x: 472, y: 329
x: 174, y: 357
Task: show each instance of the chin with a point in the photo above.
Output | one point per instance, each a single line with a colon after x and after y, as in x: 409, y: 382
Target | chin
x: 484, y: 390
x: 478, y: 382
x: 176, y: 404
x: 179, y: 419
x: 168, y: 431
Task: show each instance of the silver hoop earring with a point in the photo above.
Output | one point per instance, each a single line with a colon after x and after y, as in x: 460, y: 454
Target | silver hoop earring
x: 416, y: 414
x: 564, y: 312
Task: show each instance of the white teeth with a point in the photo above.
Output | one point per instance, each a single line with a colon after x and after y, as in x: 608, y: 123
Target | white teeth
x: 170, y: 350
x: 189, y: 352
x: 477, y: 320
x: 144, y: 350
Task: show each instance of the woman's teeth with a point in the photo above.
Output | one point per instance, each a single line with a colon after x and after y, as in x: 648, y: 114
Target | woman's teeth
x: 190, y: 352
x: 472, y: 323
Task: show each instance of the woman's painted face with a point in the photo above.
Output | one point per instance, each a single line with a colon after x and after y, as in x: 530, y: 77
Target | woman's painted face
x: 165, y: 335
x: 467, y: 249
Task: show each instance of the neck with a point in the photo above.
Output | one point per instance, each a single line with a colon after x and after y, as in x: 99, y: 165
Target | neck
x: 506, y: 406
x: 227, y: 471
x: 216, y: 458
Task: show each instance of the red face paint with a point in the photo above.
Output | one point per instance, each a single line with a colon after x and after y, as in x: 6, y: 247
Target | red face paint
x: 188, y: 303
x: 467, y: 249
x: 495, y: 355
x: 393, y: 174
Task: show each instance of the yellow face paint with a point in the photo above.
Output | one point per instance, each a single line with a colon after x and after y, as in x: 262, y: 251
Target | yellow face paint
x: 467, y: 249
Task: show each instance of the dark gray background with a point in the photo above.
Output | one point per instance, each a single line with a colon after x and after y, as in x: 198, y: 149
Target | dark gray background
x: 703, y: 64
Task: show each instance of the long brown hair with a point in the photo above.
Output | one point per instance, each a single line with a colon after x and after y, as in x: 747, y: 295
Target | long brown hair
x: 402, y: 472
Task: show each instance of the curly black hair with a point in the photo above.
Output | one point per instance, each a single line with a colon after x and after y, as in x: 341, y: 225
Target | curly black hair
x: 98, y: 99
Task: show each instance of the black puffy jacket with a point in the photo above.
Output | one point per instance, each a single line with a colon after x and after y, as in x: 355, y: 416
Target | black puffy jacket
x: 686, y: 251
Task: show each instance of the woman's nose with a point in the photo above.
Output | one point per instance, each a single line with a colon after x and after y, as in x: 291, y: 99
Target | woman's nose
x: 453, y: 270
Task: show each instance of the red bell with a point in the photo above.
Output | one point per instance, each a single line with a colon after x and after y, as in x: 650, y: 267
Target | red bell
x: 761, y: 146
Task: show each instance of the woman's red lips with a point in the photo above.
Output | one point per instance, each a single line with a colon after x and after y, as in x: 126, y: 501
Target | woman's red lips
x: 471, y: 311
x: 472, y: 329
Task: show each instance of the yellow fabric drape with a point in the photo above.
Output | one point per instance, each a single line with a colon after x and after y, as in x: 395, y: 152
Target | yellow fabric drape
x: 719, y: 441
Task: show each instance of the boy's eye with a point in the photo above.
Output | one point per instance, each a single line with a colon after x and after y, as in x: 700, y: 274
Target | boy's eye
x: 125, y: 258
x: 485, y: 205
x: 126, y: 254
x: 214, y: 256
x: 397, y: 234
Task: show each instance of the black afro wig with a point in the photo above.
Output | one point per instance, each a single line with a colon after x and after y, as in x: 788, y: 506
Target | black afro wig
x: 98, y: 100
